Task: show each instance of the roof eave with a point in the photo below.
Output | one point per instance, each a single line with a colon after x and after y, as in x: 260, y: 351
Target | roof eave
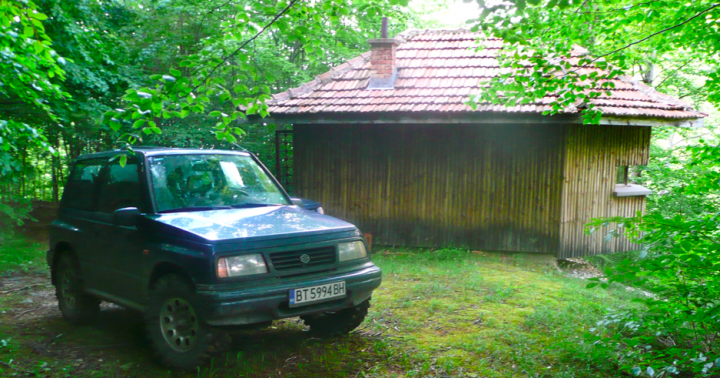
x: 417, y: 118
x: 650, y: 121
x: 499, y: 118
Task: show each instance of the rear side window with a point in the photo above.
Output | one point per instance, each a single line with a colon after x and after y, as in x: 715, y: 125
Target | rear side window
x: 120, y: 188
x: 80, y: 188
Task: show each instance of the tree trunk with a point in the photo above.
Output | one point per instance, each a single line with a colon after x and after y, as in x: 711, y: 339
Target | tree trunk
x: 55, y: 159
x: 22, y: 174
x: 649, y: 75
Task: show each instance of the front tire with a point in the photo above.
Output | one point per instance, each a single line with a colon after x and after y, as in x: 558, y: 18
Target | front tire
x: 338, y: 323
x: 180, y: 338
x: 76, y: 306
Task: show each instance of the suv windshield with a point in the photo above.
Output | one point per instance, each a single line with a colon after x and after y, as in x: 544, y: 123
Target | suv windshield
x: 201, y: 182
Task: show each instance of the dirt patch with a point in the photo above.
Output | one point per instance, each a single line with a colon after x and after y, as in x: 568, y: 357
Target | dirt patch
x: 36, y: 342
x: 39, y: 343
x: 579, y: 268
x: 42, y: 214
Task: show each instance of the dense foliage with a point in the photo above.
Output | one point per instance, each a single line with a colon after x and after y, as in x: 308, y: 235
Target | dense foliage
x: 258, y: 48
x: 669, y: 44
x: 27, y: 66
x: 679, y: 268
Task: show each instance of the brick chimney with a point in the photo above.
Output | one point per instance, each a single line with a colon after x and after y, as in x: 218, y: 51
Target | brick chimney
x: 383, y: 71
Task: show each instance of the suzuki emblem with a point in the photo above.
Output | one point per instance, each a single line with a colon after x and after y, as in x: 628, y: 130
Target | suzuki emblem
x: 305, y: 258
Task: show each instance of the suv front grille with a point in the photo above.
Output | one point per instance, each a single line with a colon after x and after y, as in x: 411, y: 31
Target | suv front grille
x: 294, y: 259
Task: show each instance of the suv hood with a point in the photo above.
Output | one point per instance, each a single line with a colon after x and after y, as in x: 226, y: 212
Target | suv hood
x: 254, y: 223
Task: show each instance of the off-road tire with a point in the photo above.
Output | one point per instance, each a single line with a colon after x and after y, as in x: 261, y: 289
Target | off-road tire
x: 76, y: 306
x: 203, y: 341
x: 337, y: 323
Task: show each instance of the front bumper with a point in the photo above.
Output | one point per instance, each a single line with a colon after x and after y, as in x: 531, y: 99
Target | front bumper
x: 269, y: 302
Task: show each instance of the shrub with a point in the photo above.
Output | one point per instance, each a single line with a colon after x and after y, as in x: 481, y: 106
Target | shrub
x: 677, y: 329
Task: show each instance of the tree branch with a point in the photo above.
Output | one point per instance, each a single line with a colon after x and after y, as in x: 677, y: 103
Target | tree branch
x: 674, y: 73
x: 581, y: 6
x: 204, y: 17
x: 227, y: 58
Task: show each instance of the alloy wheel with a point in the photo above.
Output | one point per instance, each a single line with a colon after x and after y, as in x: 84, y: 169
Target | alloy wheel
x: 179, y: 324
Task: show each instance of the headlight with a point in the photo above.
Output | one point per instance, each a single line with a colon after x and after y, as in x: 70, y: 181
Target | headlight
x: 320, y: 210
x: 240, y: 266
x: 351, y: 251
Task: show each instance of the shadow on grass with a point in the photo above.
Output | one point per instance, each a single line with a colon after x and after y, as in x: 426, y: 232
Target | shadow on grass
x: 115, y: 346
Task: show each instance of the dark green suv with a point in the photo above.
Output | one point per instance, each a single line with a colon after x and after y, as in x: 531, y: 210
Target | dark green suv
x: 202, y: 241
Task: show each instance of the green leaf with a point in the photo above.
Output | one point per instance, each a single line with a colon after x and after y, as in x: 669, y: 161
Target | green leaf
x: 215, y: 113
x: 38, y: 16
x: 139, y: 123
x: 28, y: 32
x: 175, y: 73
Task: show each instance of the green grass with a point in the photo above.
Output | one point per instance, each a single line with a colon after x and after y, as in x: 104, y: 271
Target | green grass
x: 495, y: 315
x: 438, y: 313
x: 20, y: 255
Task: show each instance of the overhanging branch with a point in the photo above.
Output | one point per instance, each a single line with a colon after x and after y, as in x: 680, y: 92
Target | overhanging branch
x: 227, y: 58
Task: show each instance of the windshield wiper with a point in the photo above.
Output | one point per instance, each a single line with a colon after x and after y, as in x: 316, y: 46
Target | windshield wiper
x: 194, y: 208
x: 251, y: 204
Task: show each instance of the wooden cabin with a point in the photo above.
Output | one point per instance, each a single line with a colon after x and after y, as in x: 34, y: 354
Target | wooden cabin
x: 387, y: 142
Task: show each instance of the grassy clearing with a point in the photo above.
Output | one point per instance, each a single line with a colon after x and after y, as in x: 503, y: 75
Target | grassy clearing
x: 20, y: 255
x: 438, y: 313
x: 459, y: 313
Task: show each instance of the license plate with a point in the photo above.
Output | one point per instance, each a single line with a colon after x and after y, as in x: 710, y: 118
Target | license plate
x: 320, y: 293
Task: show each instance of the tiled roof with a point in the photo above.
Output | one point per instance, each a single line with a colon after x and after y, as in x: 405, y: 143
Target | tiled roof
x: 437, y: 71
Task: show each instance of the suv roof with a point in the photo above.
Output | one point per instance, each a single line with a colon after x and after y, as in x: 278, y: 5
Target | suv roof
x: 153, y: 151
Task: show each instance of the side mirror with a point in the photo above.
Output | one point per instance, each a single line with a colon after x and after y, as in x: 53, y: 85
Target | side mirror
x: 297, y: 201
x: 126, y: 217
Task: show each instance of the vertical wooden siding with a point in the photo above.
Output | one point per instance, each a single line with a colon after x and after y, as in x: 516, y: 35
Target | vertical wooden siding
x: 485, y: 187
x: 592, y: 155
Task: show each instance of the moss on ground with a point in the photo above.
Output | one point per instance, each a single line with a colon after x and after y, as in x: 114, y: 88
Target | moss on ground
x: 491, y: 315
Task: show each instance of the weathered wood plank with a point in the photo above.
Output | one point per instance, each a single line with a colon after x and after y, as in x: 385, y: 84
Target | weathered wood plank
x: 593, y: 154
x: 493, y: 188
x: 511, y: 188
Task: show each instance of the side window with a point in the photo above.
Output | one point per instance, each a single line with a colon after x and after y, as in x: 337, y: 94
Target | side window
x: 626, y: 182
x: 120, y: 187
x: 81, y: 184
x: 628, y: 174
